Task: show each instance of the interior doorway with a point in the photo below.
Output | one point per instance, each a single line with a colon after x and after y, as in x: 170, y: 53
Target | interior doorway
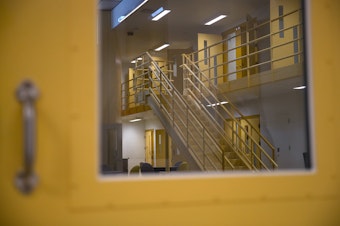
x: 163, y: 147
x: 239, y: 50
x: 149, y: 146
x: 234, y: 53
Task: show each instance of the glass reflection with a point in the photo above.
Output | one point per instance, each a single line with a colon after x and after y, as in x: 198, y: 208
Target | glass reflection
x: 221, y: 96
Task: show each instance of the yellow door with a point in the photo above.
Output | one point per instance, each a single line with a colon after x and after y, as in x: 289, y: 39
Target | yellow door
x: 234, y: 51
x: 163, y: 149
x: 250, y: 123
x: 210, y: 59
x: 53, y: 43
x: 287, y: 40
x: 160, y: 148
x: 149, y: 150
x: 237, y: 50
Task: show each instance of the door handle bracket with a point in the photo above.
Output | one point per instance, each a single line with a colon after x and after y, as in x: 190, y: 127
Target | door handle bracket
x: 27, y: 93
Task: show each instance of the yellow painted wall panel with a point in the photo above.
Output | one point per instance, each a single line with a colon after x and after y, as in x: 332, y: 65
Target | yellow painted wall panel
x: 285, y: 46
x: 54, y: 44
x: 213, y: 56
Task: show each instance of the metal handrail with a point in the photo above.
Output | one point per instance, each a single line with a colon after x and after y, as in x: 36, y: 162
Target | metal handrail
x: 199, y: 80
x: 255, y: 65
x: 247, y: 56
x: 212, y: 118
x: 170, y: 90
x: 250, y: 29
x: 209, y: 93
x: 197, y: 122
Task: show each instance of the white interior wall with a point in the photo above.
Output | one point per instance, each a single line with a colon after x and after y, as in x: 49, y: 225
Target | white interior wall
x: 283, y: 123
x: 134, y: 143
x: 283, y: 118
x: 134, y: 140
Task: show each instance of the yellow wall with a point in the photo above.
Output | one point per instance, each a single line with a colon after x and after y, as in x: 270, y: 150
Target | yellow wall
x: 286, y: 47
x: 217, y: 49
x: 54, y: 44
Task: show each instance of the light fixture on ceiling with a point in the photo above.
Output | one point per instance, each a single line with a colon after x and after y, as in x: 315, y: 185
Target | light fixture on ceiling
x: 122, y: 18
x: 124, y: 9
x: 217, y: 104
x: 159, y: 13
x: 135, y: 120
x: 162, y: 47
x: 299, y: 87
x: 220, y: 17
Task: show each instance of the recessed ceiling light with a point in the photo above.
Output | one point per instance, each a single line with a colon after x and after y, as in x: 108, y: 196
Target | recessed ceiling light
x: 162, y: 47
x: 159, y: 13
x: 220, y: 17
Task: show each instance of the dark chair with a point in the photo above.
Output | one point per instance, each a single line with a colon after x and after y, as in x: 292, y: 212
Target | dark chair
x: 146, y: 167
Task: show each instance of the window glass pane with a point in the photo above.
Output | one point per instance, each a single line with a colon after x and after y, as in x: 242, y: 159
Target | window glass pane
x: 202, y: 86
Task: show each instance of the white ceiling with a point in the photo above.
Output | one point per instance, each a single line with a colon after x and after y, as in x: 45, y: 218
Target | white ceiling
x: 181, y: 26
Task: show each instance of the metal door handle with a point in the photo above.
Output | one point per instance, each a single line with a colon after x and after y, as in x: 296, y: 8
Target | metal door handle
x: 27, y: 93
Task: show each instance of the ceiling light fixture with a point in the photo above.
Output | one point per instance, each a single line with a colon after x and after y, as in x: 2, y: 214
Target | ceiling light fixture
x: 299, y: 87
x: 215, y: 20
x: 159, y: 13
x: 124, y: 9
x: 217, y: 104
x: 162, y: 47
x: 135, y: 120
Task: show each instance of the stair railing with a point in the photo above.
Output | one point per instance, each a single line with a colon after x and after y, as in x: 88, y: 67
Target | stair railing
x: 202, y: 76
x: 214, y: 65
x: 249, y: 148
x: 199, y: 141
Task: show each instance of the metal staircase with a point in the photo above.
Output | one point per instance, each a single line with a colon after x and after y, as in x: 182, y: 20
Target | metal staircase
x: 202, y: 121
x: 193, y: 127
x: 223, y: 120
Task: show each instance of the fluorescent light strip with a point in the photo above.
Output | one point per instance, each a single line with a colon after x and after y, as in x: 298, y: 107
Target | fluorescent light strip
x: 135, y: 120
x: 158, y: 11
x: 217, y: 104
x: 161, y: 14
x: 162, y: 47
x: 215, y: 20
x: 122, y: 18
x: 299, y: 87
